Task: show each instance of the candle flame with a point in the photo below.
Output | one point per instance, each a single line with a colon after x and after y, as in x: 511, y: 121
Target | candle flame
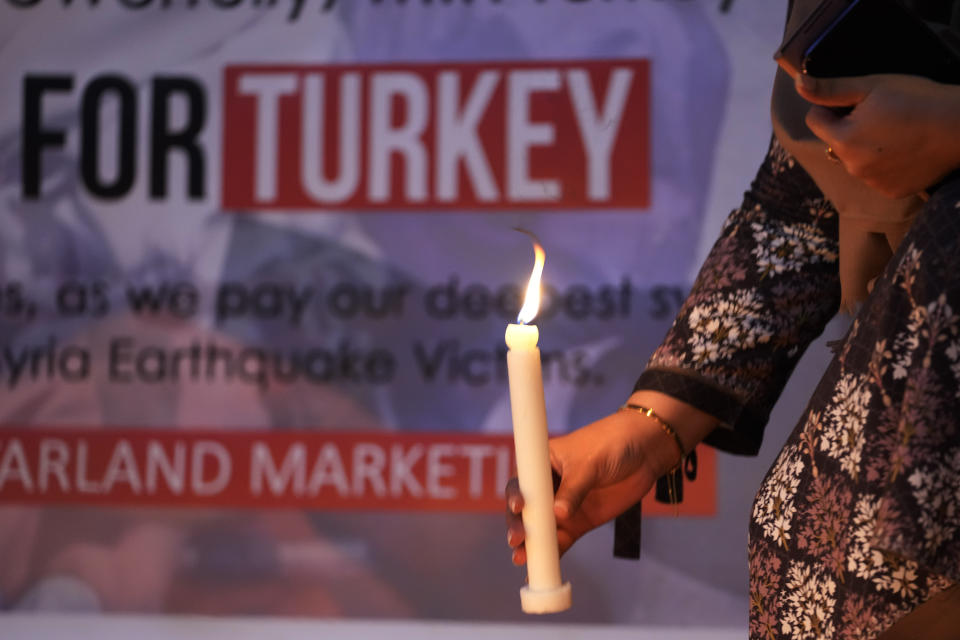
x: 531, y: 301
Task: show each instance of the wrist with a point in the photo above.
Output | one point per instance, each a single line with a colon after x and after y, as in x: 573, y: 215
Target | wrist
x: 688, y: 424
x: 656, y: 452
x: 664, y: 426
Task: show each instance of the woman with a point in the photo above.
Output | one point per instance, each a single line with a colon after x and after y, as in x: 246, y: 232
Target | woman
x: 858, y: 521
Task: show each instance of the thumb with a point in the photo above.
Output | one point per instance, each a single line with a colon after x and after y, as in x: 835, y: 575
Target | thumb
x: 833, y: 92
x: 570, y: 494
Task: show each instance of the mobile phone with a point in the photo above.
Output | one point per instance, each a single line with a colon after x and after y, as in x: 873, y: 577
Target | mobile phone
x: 843, y: 38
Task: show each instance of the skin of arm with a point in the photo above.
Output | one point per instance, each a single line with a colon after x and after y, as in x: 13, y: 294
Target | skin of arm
x: 902, y: 136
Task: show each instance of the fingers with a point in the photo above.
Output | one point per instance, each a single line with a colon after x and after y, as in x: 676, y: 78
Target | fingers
x: 519, y: 556
x: 571, y: 493
x: 824, y: 118
x: 515, y: 532
x: 513, y: 496
x: 827, y: 125
x: 834, y: 92
x: 564, y: 541
x: 516, y: 535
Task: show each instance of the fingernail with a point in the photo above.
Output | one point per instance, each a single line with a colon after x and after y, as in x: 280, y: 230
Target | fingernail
x: 561, y: 509
x: 510, y: 538
x: 514, y: 505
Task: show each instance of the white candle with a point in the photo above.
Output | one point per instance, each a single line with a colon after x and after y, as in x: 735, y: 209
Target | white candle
x: 545, y: 592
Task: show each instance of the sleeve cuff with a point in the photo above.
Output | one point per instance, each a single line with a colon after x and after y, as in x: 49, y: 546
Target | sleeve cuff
x: 741, y: 426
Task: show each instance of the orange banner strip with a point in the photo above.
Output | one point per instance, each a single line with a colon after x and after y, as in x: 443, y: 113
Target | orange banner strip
x: 329, y: 470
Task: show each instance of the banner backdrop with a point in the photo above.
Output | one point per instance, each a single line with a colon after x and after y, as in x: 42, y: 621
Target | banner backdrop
x: 256, y: 264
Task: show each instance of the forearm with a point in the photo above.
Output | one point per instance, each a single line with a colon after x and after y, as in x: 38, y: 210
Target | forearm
x: 767, y: 289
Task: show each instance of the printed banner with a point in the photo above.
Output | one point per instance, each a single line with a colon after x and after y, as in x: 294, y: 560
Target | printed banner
x: 256, y: 264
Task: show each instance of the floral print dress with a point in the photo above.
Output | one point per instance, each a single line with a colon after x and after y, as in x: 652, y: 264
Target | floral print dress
x: 858, y: 520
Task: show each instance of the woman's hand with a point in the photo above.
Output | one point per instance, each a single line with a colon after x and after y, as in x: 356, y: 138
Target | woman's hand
x: 902, y: 136
x: 602, y: 472
x: 607, y: 466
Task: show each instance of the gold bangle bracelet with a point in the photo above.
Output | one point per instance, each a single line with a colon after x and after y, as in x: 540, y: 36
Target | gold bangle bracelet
x: 664, y: 425
x: 671, y: 476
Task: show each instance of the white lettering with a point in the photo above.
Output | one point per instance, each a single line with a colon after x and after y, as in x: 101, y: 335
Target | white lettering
x: 368, y: 464
x: 438, y: 469
x: 312, y: 168
x: 457, y: 137
x: 54, y: 456
x: 476, y: 453
x: 174, y: 472
x: 292, y: 470
x: 598, y: 132
x: 401, y: 471
x: 404, y: 139
x: 14, y: 464
x: 267, y: 88
x: 122, y: 468
x: 522, y: 134
x: 83, y: 483
x: 204, y: 450
x: 328, y: 469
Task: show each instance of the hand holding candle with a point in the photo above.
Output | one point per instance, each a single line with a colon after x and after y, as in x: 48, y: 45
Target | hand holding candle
x: 545, y: 592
